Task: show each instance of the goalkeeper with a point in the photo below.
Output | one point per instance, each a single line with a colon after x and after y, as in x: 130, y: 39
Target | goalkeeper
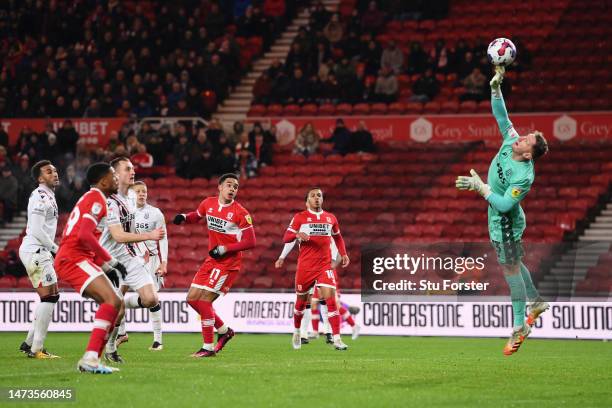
x: 510, y: 177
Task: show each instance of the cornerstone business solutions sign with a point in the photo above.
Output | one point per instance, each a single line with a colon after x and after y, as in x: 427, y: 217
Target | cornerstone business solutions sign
x: 561, y: 126
x: 273, y: 313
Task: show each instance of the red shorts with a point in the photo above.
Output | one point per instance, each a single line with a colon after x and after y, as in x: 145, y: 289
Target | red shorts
x: 78, y: 274
x: 214, y: 277
x: 304, y: 280
x: 315, y: 292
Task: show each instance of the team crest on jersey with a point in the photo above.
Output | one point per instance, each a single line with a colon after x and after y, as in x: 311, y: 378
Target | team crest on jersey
x: 230, y: 215
x: 328, y: 219
x: 96, y: 208
x: 309, y: 219
x: 508, y: 172
x: 146, y: 216
x: 516, y: 192
x: 210, y: 210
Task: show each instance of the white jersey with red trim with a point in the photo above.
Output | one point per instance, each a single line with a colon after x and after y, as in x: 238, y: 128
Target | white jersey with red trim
x: 91, y: 205
x: 225, y: 222
x: 315, y: 254
x: 147, y: 219
x: 121, y: 211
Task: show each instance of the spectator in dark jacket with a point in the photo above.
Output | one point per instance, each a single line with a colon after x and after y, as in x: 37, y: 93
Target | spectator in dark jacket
x: 9, y: 190
x: 341, y: 139
x: 68, y: 137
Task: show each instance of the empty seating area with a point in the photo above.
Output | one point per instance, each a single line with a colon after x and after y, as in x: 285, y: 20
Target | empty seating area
x: 598, y: 279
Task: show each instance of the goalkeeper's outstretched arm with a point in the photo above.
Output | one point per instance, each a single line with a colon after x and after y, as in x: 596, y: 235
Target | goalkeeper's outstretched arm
x: 497, y: 103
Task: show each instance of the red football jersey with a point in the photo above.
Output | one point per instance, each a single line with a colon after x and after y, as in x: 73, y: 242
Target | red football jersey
x: 315, y: 254
x: 225, y: 225
x: 91, y: 205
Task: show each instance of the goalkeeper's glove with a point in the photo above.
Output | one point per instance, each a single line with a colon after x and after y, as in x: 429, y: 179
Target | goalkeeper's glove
x: 113, y: 269
x: 497, y: 80
x: 179, y: 219
x: 217, y: 252
x: 473, y: 183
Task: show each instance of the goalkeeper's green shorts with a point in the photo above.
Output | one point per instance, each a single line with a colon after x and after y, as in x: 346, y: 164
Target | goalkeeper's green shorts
x: 509, y: 253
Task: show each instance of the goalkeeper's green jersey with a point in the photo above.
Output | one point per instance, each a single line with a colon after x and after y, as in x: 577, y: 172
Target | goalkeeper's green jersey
x: 508, y: 178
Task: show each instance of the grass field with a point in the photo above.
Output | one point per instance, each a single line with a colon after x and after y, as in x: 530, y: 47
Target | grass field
x: 263, y: 370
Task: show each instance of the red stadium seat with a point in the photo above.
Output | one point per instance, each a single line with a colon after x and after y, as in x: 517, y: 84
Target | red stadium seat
x: 361, y: 109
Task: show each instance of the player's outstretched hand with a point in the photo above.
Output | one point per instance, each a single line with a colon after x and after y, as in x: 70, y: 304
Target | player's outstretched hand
x: 217, y: 252
x: 179, y: 219
x: 345, y: 261
x: 279, y: 263
x: 473, y: 183
x: 302, y: 236
x: 157, y: 234
x: 498, y: 77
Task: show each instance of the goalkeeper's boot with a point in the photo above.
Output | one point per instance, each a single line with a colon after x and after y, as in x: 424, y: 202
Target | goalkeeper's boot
x: 42, y: 355
x: 535, y: 310
x: 296, y: 340
x: 329, y: 339
x: 94, y: 367
x: 339, y: 345
x: 122, y: 338
x: 113, y: 357
x: 222, y: 339
x: 356, y: 330
x: 156, y: 346
x: 517, y: 338
x: 203, y: 353
x: 25, y: 348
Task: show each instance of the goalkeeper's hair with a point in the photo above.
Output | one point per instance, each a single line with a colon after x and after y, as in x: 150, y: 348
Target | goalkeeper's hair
x: 312, y: 189
x: 540, y: 148
x: 96, y: 172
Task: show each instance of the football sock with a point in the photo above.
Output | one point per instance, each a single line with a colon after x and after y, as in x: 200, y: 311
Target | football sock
x: 298, y: 313
x: 219, y: 325
x: 305, y: 322
x: 333, y: 315
x: 111, y: 344
x: 347, y: 316
x: 324, y: 317
x: 518, y: 295
x: 122, y: 327
x: 532, y: 292
x: 43, y: 314
x: 156, y: 321
x: 207, y: 314
x: 103, y: 322
x: 314, y: 316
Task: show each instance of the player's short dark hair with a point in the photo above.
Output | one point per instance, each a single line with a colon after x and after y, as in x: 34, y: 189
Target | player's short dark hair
x: 96, y: 172
x: 227, y: 176
x: 311, y: 189
x: 37, y: 167
x: 115, y: 162
x: 540, y: 148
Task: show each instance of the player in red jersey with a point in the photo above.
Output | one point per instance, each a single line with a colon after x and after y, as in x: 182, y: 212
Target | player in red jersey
x: 230, y: 231
x: 314, y: 230
x: 87, y: 267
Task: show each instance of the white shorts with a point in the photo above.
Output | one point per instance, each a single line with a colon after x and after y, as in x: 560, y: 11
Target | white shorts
x: 152, y: 267
x: 39, y: 266
x: 137, y: 275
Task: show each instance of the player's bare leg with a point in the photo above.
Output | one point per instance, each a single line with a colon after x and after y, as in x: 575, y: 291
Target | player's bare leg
x: 101, y: 290
x: 33, y: 345
x: 147, y: 298
x: 201, y: 301
x: 333, y: 315
x: 298, y: 314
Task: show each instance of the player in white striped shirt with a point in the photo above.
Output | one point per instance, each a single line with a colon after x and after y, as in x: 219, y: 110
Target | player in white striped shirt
x: 37, y: 251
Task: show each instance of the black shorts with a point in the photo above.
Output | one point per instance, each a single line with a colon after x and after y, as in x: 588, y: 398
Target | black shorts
x: 509, y: 253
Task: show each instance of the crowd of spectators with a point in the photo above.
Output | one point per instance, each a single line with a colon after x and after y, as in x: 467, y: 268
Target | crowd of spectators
x: 194, y: 151
x: 340, y: 59
x: 342, y: 140
x: 115, y: 59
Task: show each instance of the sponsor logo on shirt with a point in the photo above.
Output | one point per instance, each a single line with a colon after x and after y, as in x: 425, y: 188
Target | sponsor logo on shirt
x: 216, y: 224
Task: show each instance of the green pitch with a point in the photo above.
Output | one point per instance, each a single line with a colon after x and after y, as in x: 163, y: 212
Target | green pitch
x: 263, y: 370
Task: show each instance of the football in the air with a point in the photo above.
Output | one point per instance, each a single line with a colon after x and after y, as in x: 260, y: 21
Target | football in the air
x: 501, y: 51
